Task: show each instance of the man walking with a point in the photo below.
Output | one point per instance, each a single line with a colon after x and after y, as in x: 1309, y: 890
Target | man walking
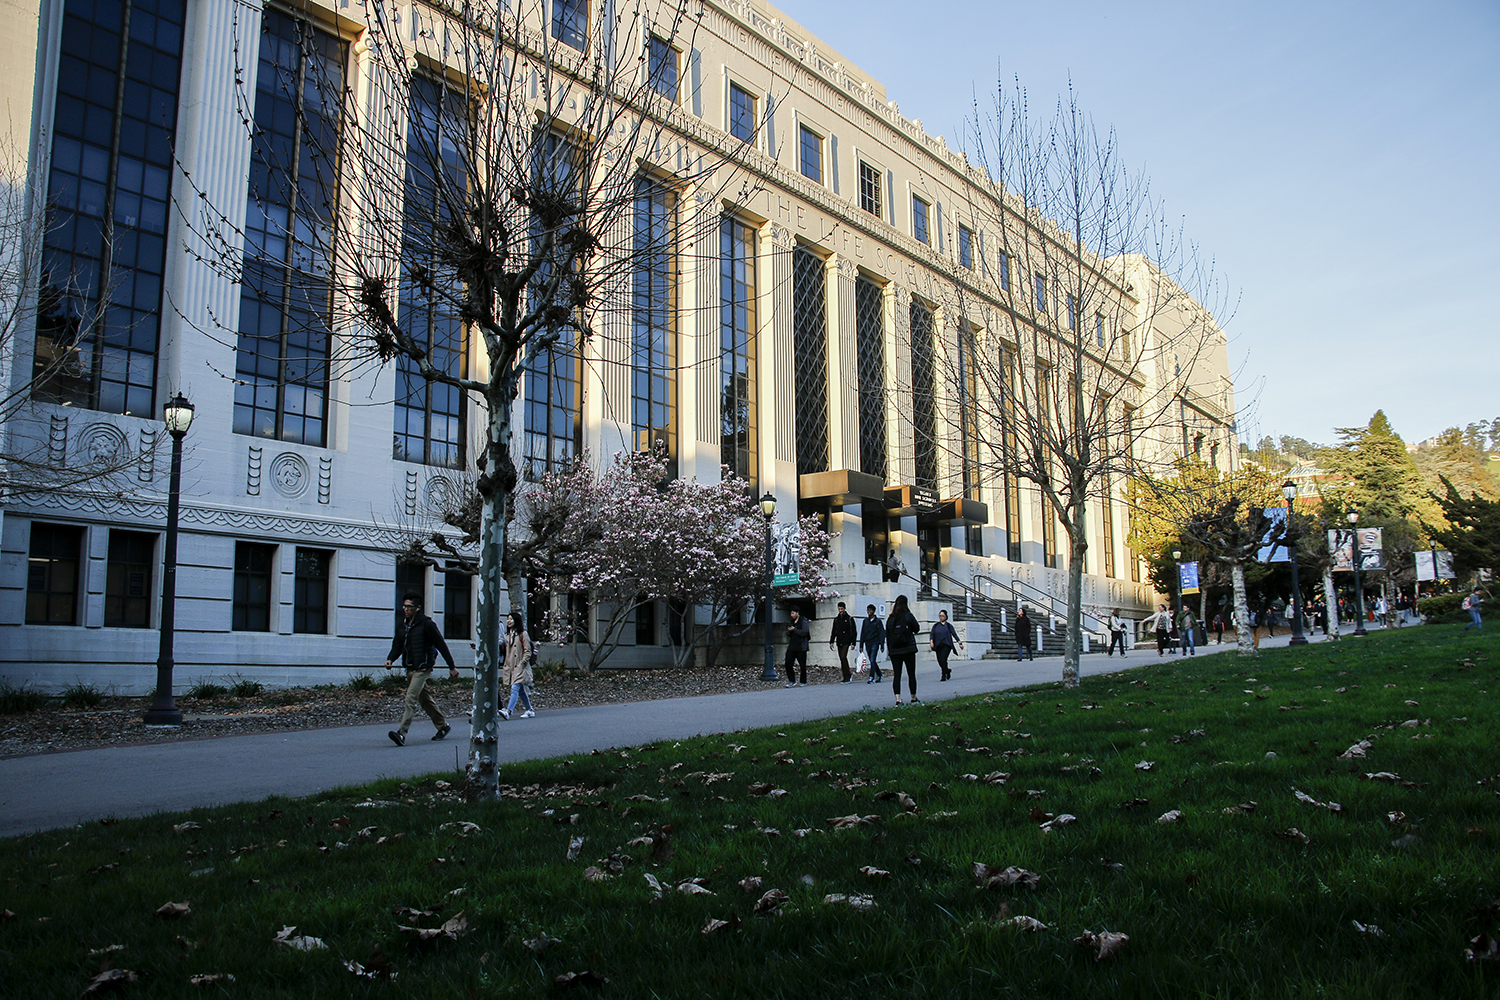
x: 1471, y: 605
x: 796, y: 648
x: 1187, y: 627
x: 842, y: 635
x: 418, y: 643
x: 872, y: 641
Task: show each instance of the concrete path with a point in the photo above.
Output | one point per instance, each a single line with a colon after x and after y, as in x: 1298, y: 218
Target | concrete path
x: 46, y: 791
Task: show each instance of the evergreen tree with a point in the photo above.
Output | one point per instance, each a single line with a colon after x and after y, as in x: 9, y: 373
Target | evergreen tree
x: 1473, y: 532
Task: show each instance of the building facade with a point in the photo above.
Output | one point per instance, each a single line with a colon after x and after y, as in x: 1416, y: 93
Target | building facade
x: 827, y: 339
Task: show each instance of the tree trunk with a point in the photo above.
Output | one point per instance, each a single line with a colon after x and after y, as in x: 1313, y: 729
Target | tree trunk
x: 496, y: 486
x: 1073, y: 642
x: 1331, y: 603
x: 1243, y: 640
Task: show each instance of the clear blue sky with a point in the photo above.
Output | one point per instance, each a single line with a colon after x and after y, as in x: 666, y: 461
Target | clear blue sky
x: 1339, y: 160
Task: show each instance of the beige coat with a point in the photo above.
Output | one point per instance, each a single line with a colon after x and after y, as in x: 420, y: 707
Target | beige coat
x: 517, y: 659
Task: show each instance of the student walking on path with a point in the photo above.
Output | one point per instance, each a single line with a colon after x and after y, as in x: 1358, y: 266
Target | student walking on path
x: 1187, y: 625
x: 796, y: 648
x: 1116, y: 633
x: 842, y: 635
x: 418, y: 643
x: 1471, y: 605
x: 901, y: 631
x: 1162, y: 623
x: 518, y: 654
x: 872, y: 641
x: 1023, y: 632
x: 943, y: 639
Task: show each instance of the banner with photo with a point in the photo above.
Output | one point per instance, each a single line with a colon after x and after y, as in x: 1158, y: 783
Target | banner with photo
x: 1341, y: 547
x: 1276, y: 551
x: 1371, y: 550
x: 1434, y: 564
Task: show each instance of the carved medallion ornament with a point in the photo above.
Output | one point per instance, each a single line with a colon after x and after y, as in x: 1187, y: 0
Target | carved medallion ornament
x: 289, y: 475
x: 102, y: 444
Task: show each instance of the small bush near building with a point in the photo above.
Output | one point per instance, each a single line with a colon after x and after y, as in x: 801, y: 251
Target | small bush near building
x: 19, y: 700
x: 1444, y: 609
x: 207, y: 691
x: 246, y: 688
x: 82, y: 695
x: 361, y: 682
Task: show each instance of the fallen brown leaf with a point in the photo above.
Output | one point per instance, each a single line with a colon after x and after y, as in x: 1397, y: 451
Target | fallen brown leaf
x: 1170, y: 816
x: 109, y: 981
x: 872, y: 872
x: 453, y: 929
x: 751, y: 883
x: 541, y: 943
x: 1106, y: 944
x: 209, y: 979
x: 1024, y: 923
x: 288, y: 936
x: 1295, y: 834
x: 568, y: 980
x: 848, y: 822
x: 770, y: 901
x: 855, y: 901
x: 994, y: 877
x: 173, y: 911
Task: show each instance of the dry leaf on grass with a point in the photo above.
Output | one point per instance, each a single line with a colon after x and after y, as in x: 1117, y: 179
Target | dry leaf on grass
x: 905, y: 801
x: 113, y: 949
x: 848, y: 822
x: 408, y: 914
x: 1024, y: 923
x: 1382, y: 776
x: 1484, y: 948
x: 461, y: 828
x: 1295, y: 834
x: 109, y: 981
x: 1170, y: 816
x: 1243, y: 807
x: 1369, y: 929
x: 872, y: 872
x: 1145, y: 765
x: 1061, y: 820
x: 714, y: 925
x: 593, y: 873
x: 186, y: 827
x: 209, y: 979
x: 541, y: 943
x: 456, y: 927
x: 288, y: 936
x: 656, y: 886
x: 1357, y: 750
x: 568, y: 980
x: 994, y: 877
x: 855, y: 901
x: 574, y: 846
x: 173, y: 911
x: 1303, y: 797
x: 694, y: 887
x: 1106, y: 944
x: 751, y: 884
x: 770, y: 901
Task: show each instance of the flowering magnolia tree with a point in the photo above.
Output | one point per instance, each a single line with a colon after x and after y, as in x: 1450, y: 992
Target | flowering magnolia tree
x: 629, y: 537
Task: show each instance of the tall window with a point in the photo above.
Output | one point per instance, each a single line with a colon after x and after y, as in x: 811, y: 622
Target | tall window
x: 1041, y: 292
x: 99, y: 312
x: 919, y: 210
x: 737, y: 433
x: 52, y: 574
x: 968, y: 416
x: 810, y: 154
x: 1099, y: 329
x: 286, y: 297
x: 430, y: 415
x: 127, y: 579
x: 553, y: 415
x: 1008, y: 456
x: 1107, y: 538
x: 1072, y: 312
x: 741, y: 113
x: 810, y: 347
x: 252, y: 586
x: 653, y: 388
x: 966, y: 247
x: 869, y: 188
x: 310, y: 591
x: 924, y: 400
x: 570, y: 22
x: 1004, y: 271
x: 869, y: 338
x: 458, y: 601
x: 662, y: 66
x: 1049, y: 535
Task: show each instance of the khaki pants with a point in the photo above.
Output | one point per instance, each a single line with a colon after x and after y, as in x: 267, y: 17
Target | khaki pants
x: 418, y: 695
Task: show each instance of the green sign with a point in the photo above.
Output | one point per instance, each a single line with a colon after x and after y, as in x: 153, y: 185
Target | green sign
x: 786, y: 579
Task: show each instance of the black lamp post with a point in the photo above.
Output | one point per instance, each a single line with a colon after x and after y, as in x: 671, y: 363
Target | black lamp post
x: 1289, y: 490
x: 768, y: 508
x: 178, y: 414
x: 1177, y: 572
x: 1359, y: 590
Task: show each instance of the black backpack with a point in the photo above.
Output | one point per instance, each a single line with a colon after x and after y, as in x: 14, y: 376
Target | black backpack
x: 899, y: 633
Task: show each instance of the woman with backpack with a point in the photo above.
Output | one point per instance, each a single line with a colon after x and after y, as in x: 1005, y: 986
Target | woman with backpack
x: 518, y: 654
x: 901, y: 631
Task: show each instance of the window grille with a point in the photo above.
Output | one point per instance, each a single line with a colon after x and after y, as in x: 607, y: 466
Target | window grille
x: 869, y: 189
x: 924, y: 402
x: 654, y: 319
x: 869, y: 328
x: 737, y: 290
x: 127, y: 582
x: 810, y: 343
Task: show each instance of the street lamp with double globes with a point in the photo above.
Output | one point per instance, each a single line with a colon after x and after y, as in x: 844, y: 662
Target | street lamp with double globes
x: 768, y: 508
x: 1359, y: 590
x: 1289, y: 490
x: 178, y: 415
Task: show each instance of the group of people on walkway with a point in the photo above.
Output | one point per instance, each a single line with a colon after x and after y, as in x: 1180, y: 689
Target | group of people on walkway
x: 896, y: 636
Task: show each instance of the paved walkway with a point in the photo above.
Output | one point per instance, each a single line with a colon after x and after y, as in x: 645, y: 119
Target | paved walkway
x: 46, y: 791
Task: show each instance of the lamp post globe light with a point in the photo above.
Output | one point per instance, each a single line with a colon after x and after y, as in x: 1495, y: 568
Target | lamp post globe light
x: 178, y: 415
x: 1289, y: 490
x: 1359, y: 590
x: 768, y: 508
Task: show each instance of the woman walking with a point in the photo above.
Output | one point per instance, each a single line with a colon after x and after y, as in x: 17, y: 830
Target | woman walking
x: 518, y: 650
x: 944, y: 638
x: 901, y: 631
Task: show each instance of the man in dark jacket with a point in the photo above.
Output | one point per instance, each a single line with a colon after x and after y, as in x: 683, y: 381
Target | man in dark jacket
x: 842, y: 635
x: 796, y: 648
x: 1024, y: 633
x: 418, y: 643
x: 872, y: 641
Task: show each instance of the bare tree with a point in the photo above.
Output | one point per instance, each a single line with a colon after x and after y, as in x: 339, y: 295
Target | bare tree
x: 1082, y: 327
x: 497, y: 174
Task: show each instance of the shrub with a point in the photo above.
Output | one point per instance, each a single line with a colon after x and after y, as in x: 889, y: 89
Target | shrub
x: 246, y: 688
x: 207, y: 691
x: 82, y: 695
x: 1444, y: 609
x: 362, y: 682
x: 19, y: 700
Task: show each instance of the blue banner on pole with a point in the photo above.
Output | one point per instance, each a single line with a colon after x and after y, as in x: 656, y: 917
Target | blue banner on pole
x: 1187, y: 578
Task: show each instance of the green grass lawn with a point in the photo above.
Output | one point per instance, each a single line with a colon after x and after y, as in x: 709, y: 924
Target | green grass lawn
x: 1368, y: 887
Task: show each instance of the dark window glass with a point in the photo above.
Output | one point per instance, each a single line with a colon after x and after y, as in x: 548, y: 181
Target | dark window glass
x: 662, y: 67
x: 965, y: 247
x: 1099, y: 329
x: 741, y: 113
x: 869, y: 189
x: 1072, y: 312
x: 431, y: 415
x: 553, y: 424
x: 810, y: 350
x: 286, y: 293
x: 99, y: 306
x: 869, y: 331
x: 1107, y: 517
x: 458, y: 591
x: 1041, y: 293
x: 310, y: 595
x: 1004, y: 271
x: 52, y: 574
x: 968, y: 416
x: 570, y: 22
x: 737, y: 433
x: 924, y: 400
x: 127, y: 581
x: 1049, y: 537
x: 1012, y: 487
x: 645, y: 624
x: 811, y: 154
x: 653, y: 342
x: 919, y: 220
x: 252, y: 586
